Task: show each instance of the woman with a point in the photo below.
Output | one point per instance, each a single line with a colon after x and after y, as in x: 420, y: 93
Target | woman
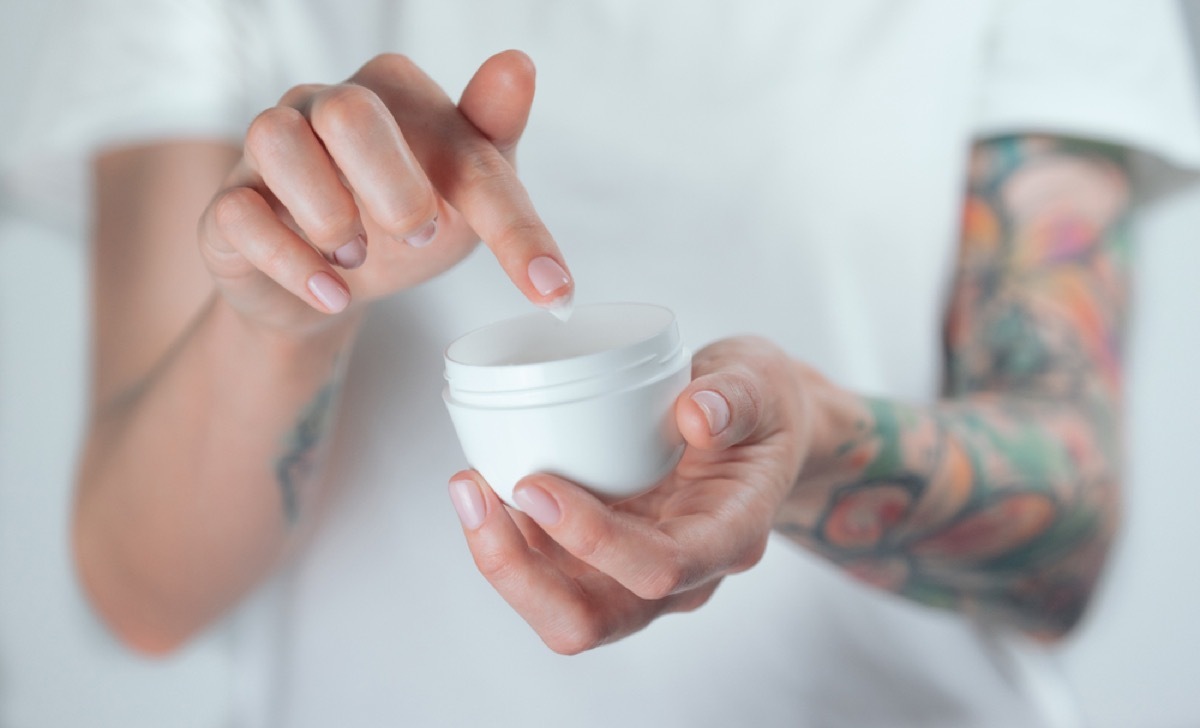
x: 804, y: 183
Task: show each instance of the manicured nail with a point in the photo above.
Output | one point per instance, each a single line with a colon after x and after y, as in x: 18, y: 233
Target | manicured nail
x: 352, y: 254
x: 424, y: 236
x: 715, y: 408
x: 468, y: 502
x: 547, y: 276
x: 329, y: 292
x: 537, y: 504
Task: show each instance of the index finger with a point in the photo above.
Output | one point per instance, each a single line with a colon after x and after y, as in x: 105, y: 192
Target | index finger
x: 468, y: 170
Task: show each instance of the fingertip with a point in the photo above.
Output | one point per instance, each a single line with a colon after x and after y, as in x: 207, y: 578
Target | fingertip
x: 351, y: 255
x: 469, y: 474
x: 562, y: 307
x: 468, y: 503
x: 476, y: 477
x: 692, y: 424
x: 562, y: 488
x: 330, y: 292
x: 471, y: 497
x: 517, y: 61
x: 424, y: 235
x: 499, y: 96
x: 550, y: 279
x: 537, y: 503
x: 570, y: 499
x: 719, y: 410
x: 715, y: 408
x: 703, y: 415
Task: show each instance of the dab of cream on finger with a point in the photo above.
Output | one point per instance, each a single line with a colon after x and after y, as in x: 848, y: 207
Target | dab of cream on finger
x: 547, y: 277
x: 561, y: 307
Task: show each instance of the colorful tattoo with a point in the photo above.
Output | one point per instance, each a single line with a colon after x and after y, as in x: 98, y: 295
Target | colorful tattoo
x: 298, y: 464
x: 1001, y: 500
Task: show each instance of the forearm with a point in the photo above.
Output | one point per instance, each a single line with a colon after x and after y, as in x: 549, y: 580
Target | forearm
x: 1000, y: 500
x: 998, y: 507
x: 193, y: 481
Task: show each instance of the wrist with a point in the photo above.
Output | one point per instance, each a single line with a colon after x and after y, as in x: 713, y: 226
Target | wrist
x: 322, y: 343
x: 836, y: 416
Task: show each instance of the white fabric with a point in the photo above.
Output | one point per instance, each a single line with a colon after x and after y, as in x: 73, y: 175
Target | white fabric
x: 792, y: 169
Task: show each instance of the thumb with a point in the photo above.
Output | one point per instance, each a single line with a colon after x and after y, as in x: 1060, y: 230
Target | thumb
x: 720, y: 409
x: 498, y: 97
x: 740, y: 393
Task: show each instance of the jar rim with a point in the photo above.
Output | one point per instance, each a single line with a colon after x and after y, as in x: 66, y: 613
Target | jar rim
x: 536, y: 350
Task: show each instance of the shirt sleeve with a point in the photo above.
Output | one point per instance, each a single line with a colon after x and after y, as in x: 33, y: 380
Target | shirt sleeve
x: 120, y: 72
x: 1113, y: 70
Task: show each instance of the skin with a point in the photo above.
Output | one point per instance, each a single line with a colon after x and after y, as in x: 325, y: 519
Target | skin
x: 214, y: 376
x: 1001, y: 501
x: 998, y: 501
x: 215, y: 383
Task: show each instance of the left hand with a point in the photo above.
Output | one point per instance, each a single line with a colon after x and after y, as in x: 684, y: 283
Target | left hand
x: 584, y: 573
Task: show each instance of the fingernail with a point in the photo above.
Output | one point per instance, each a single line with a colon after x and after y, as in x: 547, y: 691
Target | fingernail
x: 468, y: 502
x: 547, y: 276
x: 352, y: 254
x: 537, y: 504
x: 715, y: 408
x: 329, y: 292
x: 424, y: 236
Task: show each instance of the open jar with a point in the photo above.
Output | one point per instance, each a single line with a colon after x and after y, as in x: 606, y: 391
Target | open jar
x: 590, y: 400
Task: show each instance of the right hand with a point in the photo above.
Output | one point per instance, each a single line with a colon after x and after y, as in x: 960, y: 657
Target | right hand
x: 385, y: 178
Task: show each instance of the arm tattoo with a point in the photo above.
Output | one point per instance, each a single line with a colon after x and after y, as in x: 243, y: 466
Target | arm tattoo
x: 1000, y: 500
x: 303, y: 449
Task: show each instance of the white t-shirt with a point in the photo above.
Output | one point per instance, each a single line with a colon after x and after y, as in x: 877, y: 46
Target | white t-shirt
x: 792, y: 169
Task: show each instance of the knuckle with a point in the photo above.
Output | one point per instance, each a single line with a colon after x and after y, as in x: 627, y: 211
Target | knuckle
x: 592, y: 541
x: 663, y: 581
x: 233, y: 206
x: 272, y: 126
x: 345, y: 106
x: 695, y: 599
x: 493, y: 563
x: 482, y: 165
x: 389, y: 63
x: 750, y: 555
x: 482, y: 168
x: 299, y: 94
x: 517, y: 233
x: 405, y: 214
x: 692, y: 602
x: 275, y: 260
x: 336, y: 226
x: 740, y: 382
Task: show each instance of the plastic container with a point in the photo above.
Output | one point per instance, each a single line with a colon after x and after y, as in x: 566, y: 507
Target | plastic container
x: 590, y: 400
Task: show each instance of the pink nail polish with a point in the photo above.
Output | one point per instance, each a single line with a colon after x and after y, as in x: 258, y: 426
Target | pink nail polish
x: 537, y: 504
x: 352, y: 254
x: 715, y: 408
x: 329, y: 292
x: 424, y: 236
x: 547, y: 276
x: 468, y: 503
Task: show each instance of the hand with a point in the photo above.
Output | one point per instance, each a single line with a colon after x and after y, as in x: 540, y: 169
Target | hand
x: 583, y: 573
x: 385, y: 178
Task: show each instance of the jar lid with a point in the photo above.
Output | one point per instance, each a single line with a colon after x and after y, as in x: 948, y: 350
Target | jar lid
x: 536, y: 350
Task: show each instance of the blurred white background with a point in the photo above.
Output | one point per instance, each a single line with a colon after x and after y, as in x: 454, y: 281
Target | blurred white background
x: 1136, y: 662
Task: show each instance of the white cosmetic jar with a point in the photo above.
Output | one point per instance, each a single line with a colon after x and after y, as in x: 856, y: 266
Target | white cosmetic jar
x: 590, y: 400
